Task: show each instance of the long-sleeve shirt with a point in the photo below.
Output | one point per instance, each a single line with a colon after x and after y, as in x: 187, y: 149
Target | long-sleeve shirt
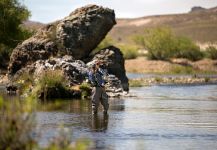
x: 96, y: 78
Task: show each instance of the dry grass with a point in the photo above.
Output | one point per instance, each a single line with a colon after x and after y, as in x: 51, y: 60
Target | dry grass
x: 142, y: 65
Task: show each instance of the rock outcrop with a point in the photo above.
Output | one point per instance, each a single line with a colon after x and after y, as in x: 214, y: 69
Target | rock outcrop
x: 66, y: 45
x: 76, y: 35
x: 114, y: 63
x: 74, y: 71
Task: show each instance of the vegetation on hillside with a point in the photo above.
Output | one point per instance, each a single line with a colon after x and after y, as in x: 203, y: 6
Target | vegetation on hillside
x: 163, y: 44
x: 129, y: 51
x: 211, y: 52
x: 12, y: 15
x: 199, y: 26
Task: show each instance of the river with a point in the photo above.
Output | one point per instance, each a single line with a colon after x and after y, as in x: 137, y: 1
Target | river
x: 159, y: 117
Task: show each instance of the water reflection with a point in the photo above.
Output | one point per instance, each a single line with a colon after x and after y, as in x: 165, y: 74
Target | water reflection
x: 100, y: 122
x: 70, y: 106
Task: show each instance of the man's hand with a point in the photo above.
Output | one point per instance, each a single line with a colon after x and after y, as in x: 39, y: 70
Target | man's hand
x: 103, y: 87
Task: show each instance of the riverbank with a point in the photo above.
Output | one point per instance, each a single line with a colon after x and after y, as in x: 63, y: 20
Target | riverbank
x: 176, y: 71
x: 173, y: 80
x: 174, y: 66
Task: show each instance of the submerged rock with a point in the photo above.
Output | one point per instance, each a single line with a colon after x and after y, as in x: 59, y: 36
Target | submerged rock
x: 76, y: 35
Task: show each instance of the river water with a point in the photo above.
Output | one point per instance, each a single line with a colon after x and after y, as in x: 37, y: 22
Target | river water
x: 158, y: 117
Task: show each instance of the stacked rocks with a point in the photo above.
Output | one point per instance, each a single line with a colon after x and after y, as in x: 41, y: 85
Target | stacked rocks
x: 66, y: 44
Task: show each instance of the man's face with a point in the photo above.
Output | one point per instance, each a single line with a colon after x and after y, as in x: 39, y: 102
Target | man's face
x: 97, y: 66
x: 94, y: 68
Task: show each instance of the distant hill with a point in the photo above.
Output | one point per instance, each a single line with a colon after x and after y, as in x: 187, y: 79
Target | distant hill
x: 200, y: 24
x: 32, y: 25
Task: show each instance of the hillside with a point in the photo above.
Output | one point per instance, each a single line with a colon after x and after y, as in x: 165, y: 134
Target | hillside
x: 200, y: 24
x: 32, y: 25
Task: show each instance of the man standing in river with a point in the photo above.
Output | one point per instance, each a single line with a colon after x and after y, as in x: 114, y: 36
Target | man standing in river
x: 98, y: 93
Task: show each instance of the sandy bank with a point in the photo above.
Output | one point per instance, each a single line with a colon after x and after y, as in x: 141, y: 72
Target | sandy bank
x: 175, y: 66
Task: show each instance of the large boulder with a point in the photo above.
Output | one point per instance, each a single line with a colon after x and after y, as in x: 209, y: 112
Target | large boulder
x: 76, y: 35
x: 114, y: 63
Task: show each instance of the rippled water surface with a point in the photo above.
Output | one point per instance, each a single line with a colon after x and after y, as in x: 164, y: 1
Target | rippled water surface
x: 159, y: 117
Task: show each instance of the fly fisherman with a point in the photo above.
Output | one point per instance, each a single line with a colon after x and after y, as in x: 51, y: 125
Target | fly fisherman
x: 96, y: 77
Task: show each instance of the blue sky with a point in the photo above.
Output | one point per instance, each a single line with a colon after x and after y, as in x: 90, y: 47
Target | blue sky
x: 50, y: 10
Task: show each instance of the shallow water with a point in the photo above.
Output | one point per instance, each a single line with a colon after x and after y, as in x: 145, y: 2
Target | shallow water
x: 160, y: 117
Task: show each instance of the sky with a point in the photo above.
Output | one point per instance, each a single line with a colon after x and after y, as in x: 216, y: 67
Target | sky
x: 50, y: 10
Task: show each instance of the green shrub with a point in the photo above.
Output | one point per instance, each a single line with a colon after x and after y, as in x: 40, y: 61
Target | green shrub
x: 206, y: 79
x: 52, y: 78
x: 16, y: 125
x: 163, y: 44
x: 158, y: 79
x: 160, y: 43
x: 129, y: 51
x: 211, y: 52
x: 185, y: 48
x: 25, y: 83
x: 136, y: 83
x: 51, y: 84
x: 85, y: 89
x: 12, y: 15
x: 182, y: 70
x: 139, y: 40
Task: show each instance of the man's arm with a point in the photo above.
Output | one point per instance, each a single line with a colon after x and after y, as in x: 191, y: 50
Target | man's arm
x: 104, y: 72
x: 91, y: 78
